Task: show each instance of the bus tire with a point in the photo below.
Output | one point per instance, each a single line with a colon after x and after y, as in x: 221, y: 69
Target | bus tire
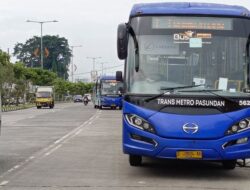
x: 135, y: 160
x: 100, y: 107
x: 39, y: 107
x: 120, y: 107
x: 229, y: 164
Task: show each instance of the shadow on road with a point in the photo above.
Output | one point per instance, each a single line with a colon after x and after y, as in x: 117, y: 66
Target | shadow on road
x: 186, y: 169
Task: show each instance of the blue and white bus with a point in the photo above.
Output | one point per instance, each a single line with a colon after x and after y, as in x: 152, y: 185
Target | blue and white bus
x: 108, y: 93
x: 186, y: 82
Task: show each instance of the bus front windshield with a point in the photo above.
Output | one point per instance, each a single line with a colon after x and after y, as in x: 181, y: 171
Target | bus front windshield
x: 111, y: 87
x: 179, y: 51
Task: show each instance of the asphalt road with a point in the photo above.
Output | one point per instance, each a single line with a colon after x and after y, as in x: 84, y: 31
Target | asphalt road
x: 77, y: 147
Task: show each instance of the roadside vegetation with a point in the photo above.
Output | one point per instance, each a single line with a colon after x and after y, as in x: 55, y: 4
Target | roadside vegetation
x: 18, y: 82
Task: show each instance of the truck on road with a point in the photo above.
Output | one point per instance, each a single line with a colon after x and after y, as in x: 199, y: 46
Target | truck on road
x: 187, y: 79
x: 45, y: 97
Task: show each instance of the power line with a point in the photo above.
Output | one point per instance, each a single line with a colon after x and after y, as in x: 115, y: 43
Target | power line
x: 107, y: 68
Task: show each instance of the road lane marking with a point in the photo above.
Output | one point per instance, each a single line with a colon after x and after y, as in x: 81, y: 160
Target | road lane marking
x: 78, y: 132
x: 3, y: 183
x: 16, y: 167
x: 51, y: 151
x: 58, y: 143
x: 51, y: 148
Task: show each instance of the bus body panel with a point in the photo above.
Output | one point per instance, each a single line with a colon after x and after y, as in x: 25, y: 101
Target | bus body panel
x: 170, y: 137
x: 111, y: 101
x: 186, y: 8
x: 106, y: 100
x: 212, y: 149
x: 210, y: 126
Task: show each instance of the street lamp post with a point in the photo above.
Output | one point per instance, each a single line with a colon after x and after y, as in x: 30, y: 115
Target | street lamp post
x: 72, y: 63
x: 41, y: 23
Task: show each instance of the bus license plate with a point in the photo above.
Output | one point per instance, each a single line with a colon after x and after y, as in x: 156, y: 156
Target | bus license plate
x: 189, y: 154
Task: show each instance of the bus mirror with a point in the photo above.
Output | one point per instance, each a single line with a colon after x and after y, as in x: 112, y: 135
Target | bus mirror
x: 122, y: 41
x: 119, y: 76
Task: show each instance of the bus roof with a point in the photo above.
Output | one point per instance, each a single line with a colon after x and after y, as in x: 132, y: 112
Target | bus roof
x: 107, y: 78
x: 189, y: 9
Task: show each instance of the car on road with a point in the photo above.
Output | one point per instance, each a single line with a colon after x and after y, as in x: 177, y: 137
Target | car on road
x: 78, y: 98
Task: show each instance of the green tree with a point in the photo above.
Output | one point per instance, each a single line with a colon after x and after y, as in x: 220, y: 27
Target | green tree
x: 63, y: 87
x: 56, y: 50
x: 6, y: 69
x: 6, y: 76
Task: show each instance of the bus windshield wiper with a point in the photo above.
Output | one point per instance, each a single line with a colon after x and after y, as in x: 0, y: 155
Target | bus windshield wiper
x: 211, y: 91
x: 170, y: 89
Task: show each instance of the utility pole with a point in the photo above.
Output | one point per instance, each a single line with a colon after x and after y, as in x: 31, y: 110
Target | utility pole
x: 41, y: 23
x: 93, y: 59
x: 72, y: 62
x: 102, y: 67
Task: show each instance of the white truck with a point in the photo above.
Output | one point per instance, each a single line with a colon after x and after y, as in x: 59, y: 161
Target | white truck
x: 45, y: 97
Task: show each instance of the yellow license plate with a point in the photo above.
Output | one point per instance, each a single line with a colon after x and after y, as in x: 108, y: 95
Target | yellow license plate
x: 112, y: 104
x: 189, y: 154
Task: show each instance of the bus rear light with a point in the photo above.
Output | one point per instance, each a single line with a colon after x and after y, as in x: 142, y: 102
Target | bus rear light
x: 139, y: 123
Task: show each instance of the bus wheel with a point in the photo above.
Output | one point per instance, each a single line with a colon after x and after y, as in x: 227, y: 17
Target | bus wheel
x: 100, y: 107
x: 229, y: 164
x: 120, y: 107
x: 39, y: 107
x: 135, y: 160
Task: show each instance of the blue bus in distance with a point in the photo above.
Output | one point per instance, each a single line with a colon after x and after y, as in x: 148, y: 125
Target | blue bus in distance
x: 107, y: 92
x: 187, y: 76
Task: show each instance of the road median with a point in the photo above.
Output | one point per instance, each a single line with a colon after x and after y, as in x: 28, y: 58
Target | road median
x: 8, y: 108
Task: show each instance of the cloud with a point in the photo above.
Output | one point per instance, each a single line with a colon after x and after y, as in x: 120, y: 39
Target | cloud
x: 92, y: 24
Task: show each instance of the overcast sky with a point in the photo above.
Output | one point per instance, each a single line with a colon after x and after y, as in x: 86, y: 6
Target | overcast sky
x: 90, y: 23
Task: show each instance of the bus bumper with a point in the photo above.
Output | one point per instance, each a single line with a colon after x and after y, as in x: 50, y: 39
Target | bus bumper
x: 44, y: 104
x: 138, y: 142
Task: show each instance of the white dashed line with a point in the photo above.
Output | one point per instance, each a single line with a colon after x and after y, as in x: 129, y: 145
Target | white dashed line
x: 16, y: 167
x: 51, y: 151
x: 3, y: 183
x: 51, y: 148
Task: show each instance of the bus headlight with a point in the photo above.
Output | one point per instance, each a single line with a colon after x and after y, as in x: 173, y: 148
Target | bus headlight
x: 243, y: 125
x: 139, y: 123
